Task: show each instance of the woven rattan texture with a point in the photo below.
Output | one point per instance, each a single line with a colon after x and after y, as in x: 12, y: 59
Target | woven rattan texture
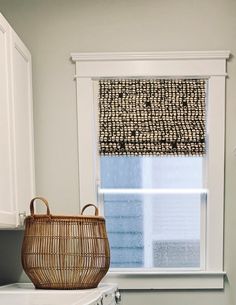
x: 64, y: 253
x: 152, y: 116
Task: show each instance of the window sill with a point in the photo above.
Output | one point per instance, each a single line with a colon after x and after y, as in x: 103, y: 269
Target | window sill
x: 166, y: 280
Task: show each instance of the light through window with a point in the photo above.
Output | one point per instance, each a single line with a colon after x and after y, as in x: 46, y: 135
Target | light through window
x: 153, y: 210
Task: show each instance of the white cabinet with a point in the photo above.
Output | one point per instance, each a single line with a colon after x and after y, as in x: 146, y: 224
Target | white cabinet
x: 16, y: 127
x: 26, y: 294
x: 7, y: 200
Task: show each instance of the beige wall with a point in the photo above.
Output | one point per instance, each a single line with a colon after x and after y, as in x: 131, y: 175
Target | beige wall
x: 52, y: 29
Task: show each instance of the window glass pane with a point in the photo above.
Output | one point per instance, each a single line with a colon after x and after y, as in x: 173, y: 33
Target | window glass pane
x: 175, y: 215
x: 124, y: 223
x: 176, y: 230
x: 121, y: 172
x: 160, y: 231
x: 151, y: 172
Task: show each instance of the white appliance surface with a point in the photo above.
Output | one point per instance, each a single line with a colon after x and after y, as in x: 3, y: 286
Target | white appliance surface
x: 26, y: 294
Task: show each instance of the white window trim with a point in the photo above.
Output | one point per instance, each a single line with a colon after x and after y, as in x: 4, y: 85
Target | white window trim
x: 205, y: 64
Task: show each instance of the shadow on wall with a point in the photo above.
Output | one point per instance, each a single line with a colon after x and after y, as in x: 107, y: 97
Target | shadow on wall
x: 10, y: 256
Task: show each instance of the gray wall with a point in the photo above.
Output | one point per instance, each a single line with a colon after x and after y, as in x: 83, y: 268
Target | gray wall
x: 52, y: 29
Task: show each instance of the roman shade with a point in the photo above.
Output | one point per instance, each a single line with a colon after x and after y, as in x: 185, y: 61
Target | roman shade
x: 152, y: 117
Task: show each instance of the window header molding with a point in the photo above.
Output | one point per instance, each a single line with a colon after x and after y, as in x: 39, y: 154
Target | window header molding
x: 151, y: 64
x: 117, y: 56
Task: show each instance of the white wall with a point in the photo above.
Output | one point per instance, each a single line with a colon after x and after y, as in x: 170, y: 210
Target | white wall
x: 52, y: 30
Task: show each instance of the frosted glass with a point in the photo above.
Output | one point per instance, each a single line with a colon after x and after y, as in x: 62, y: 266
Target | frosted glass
x: 176, y: 254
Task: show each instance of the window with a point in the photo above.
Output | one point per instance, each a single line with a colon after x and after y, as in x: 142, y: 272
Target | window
x: 141, y: 123
x: 164, y: 214
x: 152, y: 207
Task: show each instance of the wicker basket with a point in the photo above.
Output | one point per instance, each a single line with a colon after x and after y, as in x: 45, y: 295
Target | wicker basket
x: 65, y: 252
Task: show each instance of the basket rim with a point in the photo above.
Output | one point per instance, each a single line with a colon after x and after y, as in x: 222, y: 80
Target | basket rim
x: 65, y: 217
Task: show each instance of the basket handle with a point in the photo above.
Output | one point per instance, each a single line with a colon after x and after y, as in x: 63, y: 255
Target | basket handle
x: 32, y: 206
x: 90, y: 205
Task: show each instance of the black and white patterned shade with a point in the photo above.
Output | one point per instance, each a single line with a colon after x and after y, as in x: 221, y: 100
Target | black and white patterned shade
x: 152, y: 117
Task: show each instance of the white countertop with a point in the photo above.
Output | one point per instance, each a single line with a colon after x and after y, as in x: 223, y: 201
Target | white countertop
x: 26, y: 294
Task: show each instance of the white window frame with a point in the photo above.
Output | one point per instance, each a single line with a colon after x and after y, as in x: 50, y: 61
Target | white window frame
x: 205, y: 64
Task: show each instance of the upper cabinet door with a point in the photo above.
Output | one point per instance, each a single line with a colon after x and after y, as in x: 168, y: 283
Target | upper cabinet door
x: 22, y: 122
x: 8, y: 214
x: 17, y: 183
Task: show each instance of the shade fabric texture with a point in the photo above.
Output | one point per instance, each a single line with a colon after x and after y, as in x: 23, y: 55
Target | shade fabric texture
x: 152, y: 117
